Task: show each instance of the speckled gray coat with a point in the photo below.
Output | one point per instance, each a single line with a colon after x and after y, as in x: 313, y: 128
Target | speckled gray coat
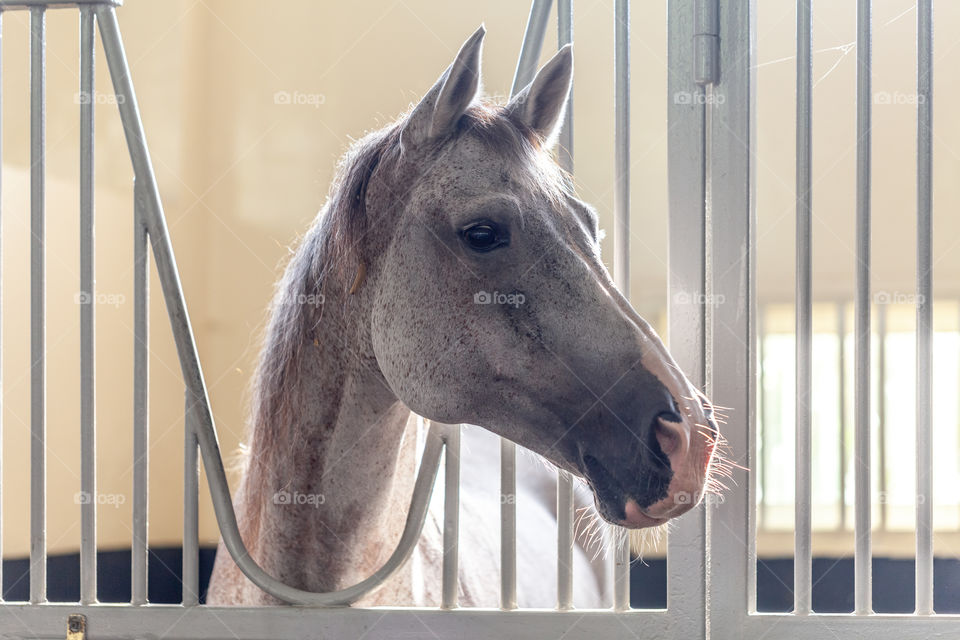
x: 454, y: 274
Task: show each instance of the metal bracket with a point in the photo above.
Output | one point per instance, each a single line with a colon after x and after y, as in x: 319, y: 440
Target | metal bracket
x: 706, y: 41
x: 76, y: 626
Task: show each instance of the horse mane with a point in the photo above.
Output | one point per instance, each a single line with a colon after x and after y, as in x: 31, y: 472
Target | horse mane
x: 332, y: 250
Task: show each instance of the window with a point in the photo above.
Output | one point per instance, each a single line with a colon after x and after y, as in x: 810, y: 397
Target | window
x: 893, y: 382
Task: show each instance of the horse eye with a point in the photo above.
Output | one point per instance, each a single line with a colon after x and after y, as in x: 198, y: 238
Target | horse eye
x: 484, y: 236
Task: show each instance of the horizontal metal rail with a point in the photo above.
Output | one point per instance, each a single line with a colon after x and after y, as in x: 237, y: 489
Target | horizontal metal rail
x: 11, y: 5
x: 283, y: 623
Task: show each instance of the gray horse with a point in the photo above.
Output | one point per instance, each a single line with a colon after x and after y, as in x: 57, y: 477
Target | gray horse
x: 453, y: 273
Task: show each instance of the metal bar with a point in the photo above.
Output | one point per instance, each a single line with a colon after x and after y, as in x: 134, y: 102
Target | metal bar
x: 190, y: 593
x: 390, y: 623
x: 847, y: 627
x: 532, y: 45
x: 882, y: 413
x: 343, y: 623
x: 565, y: 541
x: 621, y: 569
x: 565, y: 510
x: 526, y: 71
x: 38, y: 377
x: 842, y: 409
x: 508, y: 524
x: 621, y: 237
x: 88, y: 441
x: 924, y: 562
x: 141, y: 414
x: 1, y: 316
x: 10, y: 5
x: 861, y: 391
x: 764, y: 419
x: 451, y: 518
x: 621, y: 198
x: 686, y: 149
x: 731, y: 317
x: 803, y: 560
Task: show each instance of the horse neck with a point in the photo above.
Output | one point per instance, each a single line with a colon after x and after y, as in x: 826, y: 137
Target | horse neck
x: 332, y: 487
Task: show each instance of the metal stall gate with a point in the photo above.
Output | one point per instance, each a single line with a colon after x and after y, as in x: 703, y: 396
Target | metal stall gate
x: 711, y: 551
x: 713, y: 259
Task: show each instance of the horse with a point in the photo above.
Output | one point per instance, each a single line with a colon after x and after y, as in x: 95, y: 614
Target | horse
x: 454, y: 274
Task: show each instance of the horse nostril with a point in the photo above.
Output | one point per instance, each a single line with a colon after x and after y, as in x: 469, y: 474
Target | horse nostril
x: 670, y: 432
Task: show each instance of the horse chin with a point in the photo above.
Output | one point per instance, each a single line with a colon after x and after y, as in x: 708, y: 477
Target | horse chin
x: 627, y: 513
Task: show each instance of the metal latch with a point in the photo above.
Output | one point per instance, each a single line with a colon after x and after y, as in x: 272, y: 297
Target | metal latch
x: 706, y: 41
x: 76, y: 626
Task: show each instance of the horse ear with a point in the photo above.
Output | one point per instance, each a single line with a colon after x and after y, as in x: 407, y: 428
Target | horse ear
x: 542, y: 103
x: 438, y: 112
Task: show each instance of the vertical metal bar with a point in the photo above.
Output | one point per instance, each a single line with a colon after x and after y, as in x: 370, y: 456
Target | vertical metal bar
x: 764, y: 419
x: 451, y: 518
x: 141, y: 370
x: 190, y: 593
x: 842, y: 408
x: 686, y: 157
x: 88, y: 446
x: 924, y: 563
x: 532, y: 45
x: 803, y: 561
x: 621, y: 237
x: 861, y: 392
x: 565, y: 541
x: 526, y: 71
x: 1, y: 315
x: 731, y: 316
x: 882, y: 413
x: 565, y: 512
x: 508, y: 524
x: 621, y: 201
x: 38, y: 377
x: 621, y: 569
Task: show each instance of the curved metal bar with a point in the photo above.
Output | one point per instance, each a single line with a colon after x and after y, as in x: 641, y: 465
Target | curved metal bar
x: 198, y: 403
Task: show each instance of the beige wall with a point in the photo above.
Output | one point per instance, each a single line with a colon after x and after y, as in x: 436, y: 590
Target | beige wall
x: 834, y: 153
x: 242, y: 175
